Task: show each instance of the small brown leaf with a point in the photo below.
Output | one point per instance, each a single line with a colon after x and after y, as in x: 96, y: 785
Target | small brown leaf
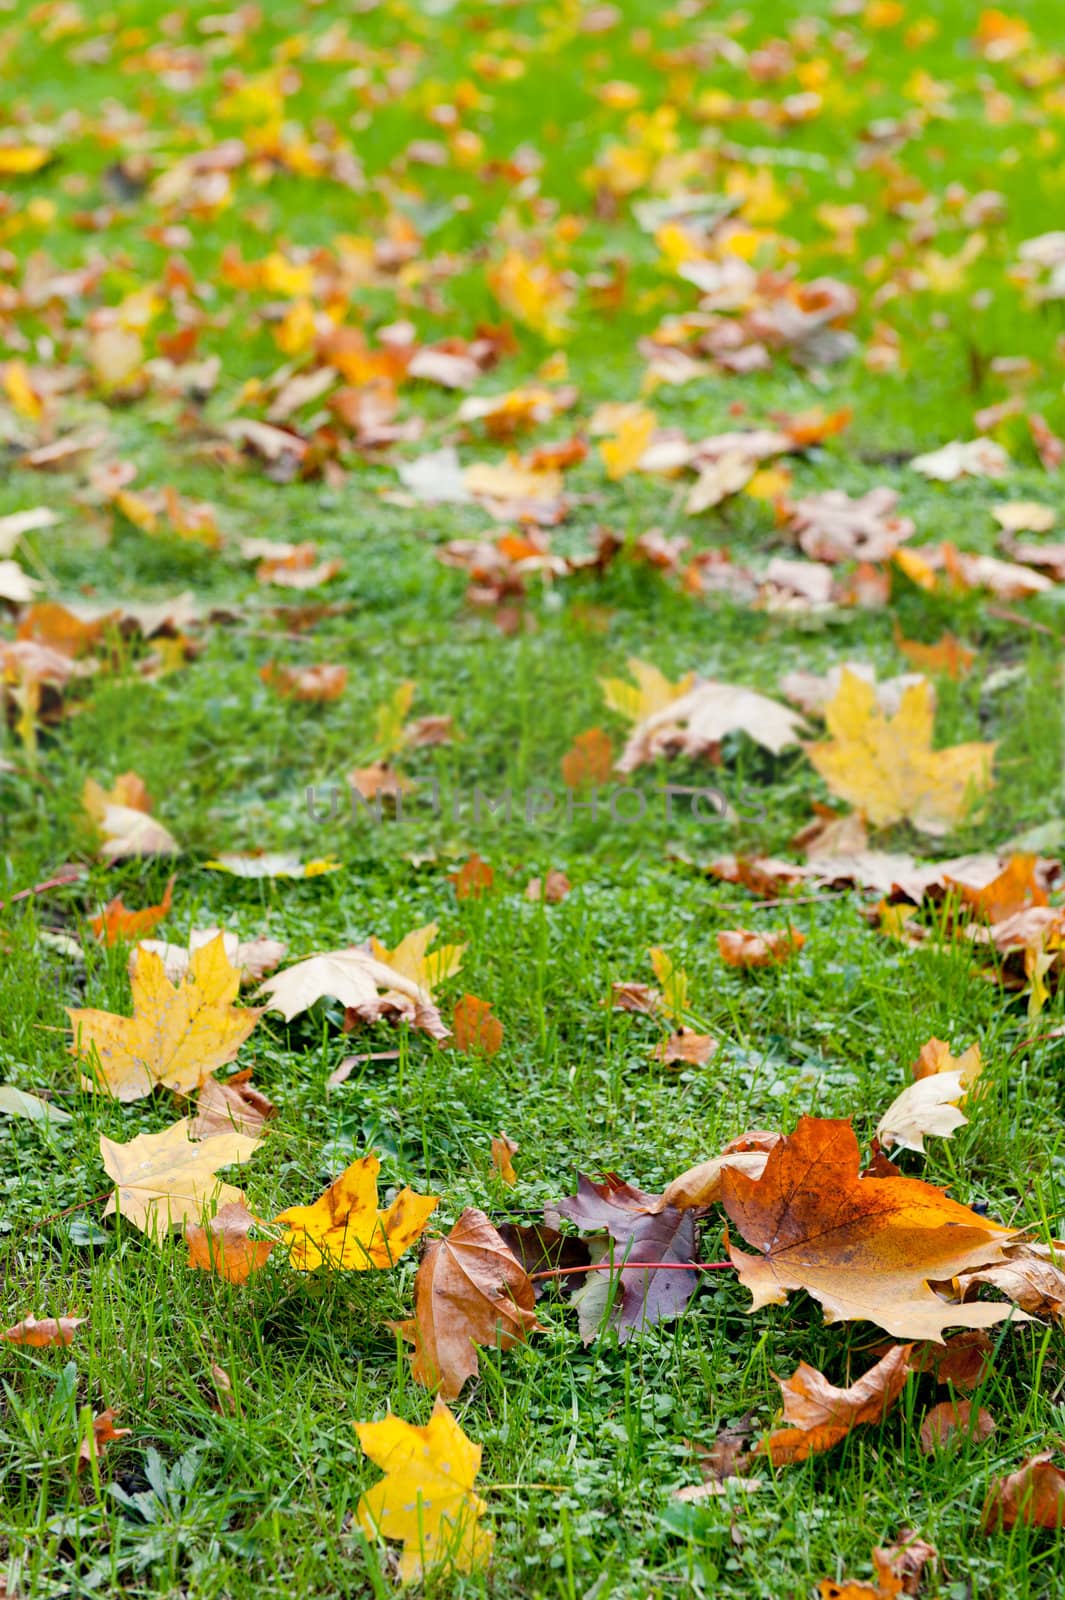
x: 555, y: 887
x: 472, y: 879
x: 224, y: 1245
x: 47, y: 1331
x: 1034, y: 1496
x: 694, y: 1049
x: 950, y: 1418
x: 502, y: 1150
x: 103, y: 1433
x: 742, y: 947
x: 589, y: 760
x: 822, y: 1415
x: 235, y: 1106
x: 476, y: 1031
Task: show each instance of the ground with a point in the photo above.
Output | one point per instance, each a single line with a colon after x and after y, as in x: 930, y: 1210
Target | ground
x: 583, y: 1446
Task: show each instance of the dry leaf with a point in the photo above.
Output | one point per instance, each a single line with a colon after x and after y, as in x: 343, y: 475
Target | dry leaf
x: 476, y: 1030
x: 175, y: 1037
x: 46, y: 1331
x: 470, y: 1290
x: 553, y: 888
x: 886, y: 767
x: 235, y: 1106
x: 165, y: 1179
x: 1029, y: 1275
x: 687, y: 1046
x: 930, y: 1105
x: 224, y: 1244
x: 474, y: 878
x: 117, y: 922
x: 353, y: 977
x: 743, y: 947
x: 695, y: 724
x: 502, y: 1151
x: 589, y: 759
x: 426, y: 1497
x: 944, y: 1423
x: 864, y: 1247
x: 1033, y: 1496
x: 822, y: 1415
x: 103, y: 1433
x: 344, y: 1229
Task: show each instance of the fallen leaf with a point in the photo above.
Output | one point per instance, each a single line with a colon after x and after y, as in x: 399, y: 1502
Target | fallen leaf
x: 426, y: 1497
x: 1029, y: 1275
x: 886, y: 767
x: 344, y: 1230
x: 413, y: 958
x: 701, y: 1185
x: 974, y: 458
x: 930, y: 1105
x: 223, y: 1245
x: 942, y: 1425
x: 117, y: 922
x: 473, y: 879
x: 743, y: 947
x: 538, y: 1247
x: 502, y: 1151
x: 19, y: 1103
x: 694, y: 1049
x: 103, y: 1433
x: 306, y: 684
x: 822, y: 1415
x: 354, y: 977
x: 476, y: 1030
x: 887, y: 1585
x: 253, y: 958
x: 235, y: 1106
x: 947, y: 656
x: 44, y: 1332
x: 589, y: 759
x: 651, y: 692
x: 165, y: 1179
x: 553, y: 888
x: 863, y: 1247
x: 175, y: 1037
x: 470, y: 1290
x: 1033, y: 1496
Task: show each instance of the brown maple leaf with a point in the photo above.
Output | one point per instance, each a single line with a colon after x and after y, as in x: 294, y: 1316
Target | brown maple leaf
x: 821, y: 1415
x: 470, y: 1290
x: 476, y: 1031
x: 951, y: 1419
x: 1034, y: 1496
x: 865, y: 1247
x: 224, y: 1245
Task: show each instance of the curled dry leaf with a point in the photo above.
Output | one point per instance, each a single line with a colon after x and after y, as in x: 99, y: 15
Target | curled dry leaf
x: 538, y: 1247
x: 117, y: 922
x: 225, y: 1246
x: 476, y: 1030
x: 743, y: 947
x: 343, y: 1229
x: 686, y: 1046
x: 1033, y: 1496
x: 820, y: 1415
x: 1029, y: 1275
x: 470, y: 1290
x: 864, y: 1247
x: 103, y: 1433
x: 318, y: 683
x: 503, y: 1149
x: 701, y: 1185
x: 353, y: 976
x: 254, y: 958
x: 176, y: 1035
x: 963, y: 1361
x: 930, y: 1105
x: 235, y: 1106
x: 43, y: 1332
x: 695, y: 724
x: 426, y: 1497
x: 553, y: 888
x: 952, y: 1420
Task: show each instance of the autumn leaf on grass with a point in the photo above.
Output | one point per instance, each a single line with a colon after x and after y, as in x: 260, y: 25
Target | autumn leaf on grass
x: 224, y: 1244
x: 102, y: 1433
x: 743, y: 947
x: 163, y: 1179
x: 477, y: 1032
x: 235, y: 1106
x: 701, y: 1185
x: 470, y: 1290
x: 46, y: 1331
x: 673, y: 999
x: 695, y: 724
x: 473, y: 878
x: 343, y: 1228
x: 864, y: 1247
x: 886, y: 1586
x: 952, y: 1421
x: 930, y: 1105
x: 123, y: 819
x: 588, y: 760
x: 651, y: 692
x: 947, y: 656
x: 175, y: 1037
x: 621, y: 455
x: 538, y: 1247
x: 307, y: 684
x: 504, y: 1149
x: 821, y: 1415
x: 685, y: 1046
x: 1033, y: 1496
x: 414, y: 960
x: 1019, y: 884
x: 637, y: 1297
x: 886, y: 766
x: 117, y: 921
x: 1030, y: 1275
x: 426, y: 1497
x: 354, y: 977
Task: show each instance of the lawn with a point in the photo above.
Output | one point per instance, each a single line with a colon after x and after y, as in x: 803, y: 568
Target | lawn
x: 252, y: 266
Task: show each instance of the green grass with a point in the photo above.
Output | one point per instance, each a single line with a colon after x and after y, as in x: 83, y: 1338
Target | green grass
x: 211, y: 1499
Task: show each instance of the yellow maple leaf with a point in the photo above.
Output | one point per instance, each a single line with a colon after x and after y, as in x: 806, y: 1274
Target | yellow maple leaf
x: 651, y: 692
x: 162, y: 1179
x: 343, y: 1228
x: 413, y: 958
x: 175, y: 1037
x: 426, y: 1497
x: 886, y: 766
x: 622, y: 454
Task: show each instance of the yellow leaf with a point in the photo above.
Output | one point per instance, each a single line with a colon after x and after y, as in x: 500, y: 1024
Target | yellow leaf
x: 622, y: 454
x: 176, y: 1036
x: 20, y: 391
x: 390, y: 717
x: 343, y: 1228
x: 18, y: 159
x: 886, y: 767
x: 673, y: 982
x: 426, y: 1497
x: 652, y: 691
x: 163, y: 1179
x: 413, y: 958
